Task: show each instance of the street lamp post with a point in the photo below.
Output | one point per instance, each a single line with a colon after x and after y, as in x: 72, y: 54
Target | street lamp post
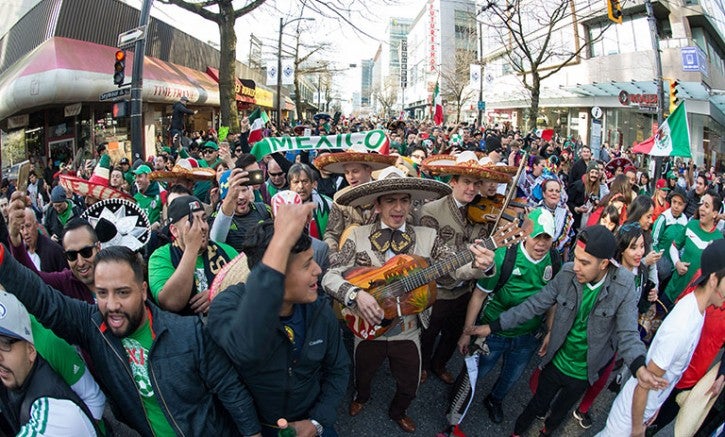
x: 282, y: 24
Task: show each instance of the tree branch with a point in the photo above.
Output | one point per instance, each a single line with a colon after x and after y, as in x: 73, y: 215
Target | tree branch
x: 197, y: 8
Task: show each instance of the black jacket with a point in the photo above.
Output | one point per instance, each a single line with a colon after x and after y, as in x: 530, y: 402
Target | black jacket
x: 244, y: 321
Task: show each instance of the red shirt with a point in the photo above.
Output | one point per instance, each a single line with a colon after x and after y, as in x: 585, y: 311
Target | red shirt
x: 659, y: 209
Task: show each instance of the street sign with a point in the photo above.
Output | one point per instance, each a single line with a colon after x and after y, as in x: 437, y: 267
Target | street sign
x: 114, y: 95
x: 128, y: 38
x: 597, y: 112
x: 481, y: 106
x: 693, y: 59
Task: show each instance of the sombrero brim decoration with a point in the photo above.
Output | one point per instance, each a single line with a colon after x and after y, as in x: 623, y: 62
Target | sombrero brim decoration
x: 119, y: 222
x: 335, y: 162
x: 85, y: 187
x: 446, y: 165
x: 179, y: 172
x: 234, y: 272
x: 419, y: 189
x: 696, y: 406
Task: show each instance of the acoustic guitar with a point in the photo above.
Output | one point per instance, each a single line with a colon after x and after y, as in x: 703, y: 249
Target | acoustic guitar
x: 405, y: 284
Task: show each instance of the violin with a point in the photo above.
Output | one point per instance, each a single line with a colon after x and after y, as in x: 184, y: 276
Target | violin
x: 484, y: 209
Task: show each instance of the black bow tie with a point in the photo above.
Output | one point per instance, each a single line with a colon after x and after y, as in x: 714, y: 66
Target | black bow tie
x: 392, y: 239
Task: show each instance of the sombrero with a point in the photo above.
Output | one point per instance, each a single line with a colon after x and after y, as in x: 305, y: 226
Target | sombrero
x: 464, y: 164
x: 392, y: 181
x: 97, y: 186
x: 300, y: 130
x: 695, y: 404
x: 118, y: 222
x: 611, y: 167
x: 335, y: 162
x: 234, y: 272
x: 187, y: 168
x: 499, y: 167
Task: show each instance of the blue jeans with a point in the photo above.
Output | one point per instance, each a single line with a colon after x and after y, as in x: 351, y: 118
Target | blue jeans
x: 516, y: 351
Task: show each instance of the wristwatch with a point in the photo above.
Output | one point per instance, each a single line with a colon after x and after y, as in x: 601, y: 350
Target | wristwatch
x: 350, y: 300
x: 320, y: 429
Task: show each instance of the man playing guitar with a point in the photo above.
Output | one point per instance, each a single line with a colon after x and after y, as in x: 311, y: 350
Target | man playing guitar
x: 371, y: 246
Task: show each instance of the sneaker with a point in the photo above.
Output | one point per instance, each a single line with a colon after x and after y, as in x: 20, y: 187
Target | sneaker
x: 584, y: 419
x: 495, y: 411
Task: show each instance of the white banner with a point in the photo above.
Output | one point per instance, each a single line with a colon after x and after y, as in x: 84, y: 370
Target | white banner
x: 288, y: 71
x: 475, y: 75
x: 271, y: 73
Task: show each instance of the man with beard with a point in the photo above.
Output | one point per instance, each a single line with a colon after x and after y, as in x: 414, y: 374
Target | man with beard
x: 154, y: 393
x: 181, y: 272
x: 302, y: 181
x: 47, y: 255
x: 238, y: 213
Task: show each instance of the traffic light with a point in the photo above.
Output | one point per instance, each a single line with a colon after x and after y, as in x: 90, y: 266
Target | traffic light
x: 614, y: 11
x: 119, y: 68
x: 673, y: 95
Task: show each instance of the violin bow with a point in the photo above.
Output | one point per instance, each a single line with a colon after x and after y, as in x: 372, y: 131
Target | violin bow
x: 511, y: 191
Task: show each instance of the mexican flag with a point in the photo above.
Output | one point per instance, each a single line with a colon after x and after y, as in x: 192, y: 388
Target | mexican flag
x: 257, y: 120
x: 437, y: 105
x: 671, y: 139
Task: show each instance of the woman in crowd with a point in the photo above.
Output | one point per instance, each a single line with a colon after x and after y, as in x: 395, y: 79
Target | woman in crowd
x: 620, y: 195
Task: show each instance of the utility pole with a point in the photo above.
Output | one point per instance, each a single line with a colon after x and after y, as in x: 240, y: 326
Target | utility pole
x: 658, y: 76
x: 480, y: 75
x: 137, y: 140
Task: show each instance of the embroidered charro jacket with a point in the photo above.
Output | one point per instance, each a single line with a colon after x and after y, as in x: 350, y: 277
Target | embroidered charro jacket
x: 455, y: 231
x: 343, y: 216
x: 358, y: 251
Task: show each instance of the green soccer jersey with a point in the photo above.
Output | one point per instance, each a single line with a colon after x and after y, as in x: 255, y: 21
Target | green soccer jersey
x: 692, y: 241
x: 527, y: 278
x: 571, y: 358
x: 62, y: 357
x: 137, y: 346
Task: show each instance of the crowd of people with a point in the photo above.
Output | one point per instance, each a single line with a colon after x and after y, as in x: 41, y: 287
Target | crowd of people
x: 211, y: 290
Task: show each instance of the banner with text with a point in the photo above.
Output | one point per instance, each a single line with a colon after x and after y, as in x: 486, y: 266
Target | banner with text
x: 370, y: 141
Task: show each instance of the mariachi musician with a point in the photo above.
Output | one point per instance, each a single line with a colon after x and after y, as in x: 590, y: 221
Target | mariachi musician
x: 449, y: 217
x: 371, y: 246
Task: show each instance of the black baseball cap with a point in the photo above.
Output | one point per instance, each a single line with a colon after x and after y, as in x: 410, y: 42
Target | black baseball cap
x: 679, y: 192
x: 597, y: 241
x: 712, y: 260
x: 182, y: 206
x: 124, y: 161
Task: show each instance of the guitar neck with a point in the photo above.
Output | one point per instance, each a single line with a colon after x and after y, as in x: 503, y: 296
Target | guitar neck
x: 443, y: 267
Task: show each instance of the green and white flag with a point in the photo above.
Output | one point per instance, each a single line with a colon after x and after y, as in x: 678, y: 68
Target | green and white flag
x: 370, y: 141
x: 671, y: 139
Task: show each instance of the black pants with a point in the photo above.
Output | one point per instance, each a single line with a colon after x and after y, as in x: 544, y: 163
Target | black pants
x: 551, y: 382
x: 448, y: 317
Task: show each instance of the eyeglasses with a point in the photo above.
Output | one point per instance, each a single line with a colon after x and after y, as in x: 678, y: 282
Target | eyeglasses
x: 85, y: 252
x: 208, y: 151
x: 6, y: 343
x: 274, y: 175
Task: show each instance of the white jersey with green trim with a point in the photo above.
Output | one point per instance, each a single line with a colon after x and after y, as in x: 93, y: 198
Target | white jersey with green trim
x: 56, y: 417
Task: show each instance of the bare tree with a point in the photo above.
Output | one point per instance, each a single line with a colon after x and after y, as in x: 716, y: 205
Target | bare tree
x: 386, y: 94
x: 225, y: 14
x: 455, y: 80
x: 537, y: 39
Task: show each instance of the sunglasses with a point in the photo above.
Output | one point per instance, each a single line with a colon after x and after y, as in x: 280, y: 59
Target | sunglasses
x: 274, y: 175
x: 85, y: 252
x: 208, y: 151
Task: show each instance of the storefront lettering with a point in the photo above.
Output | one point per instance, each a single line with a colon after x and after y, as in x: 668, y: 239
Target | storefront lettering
x: 627, y: 99
x: 246, y: 91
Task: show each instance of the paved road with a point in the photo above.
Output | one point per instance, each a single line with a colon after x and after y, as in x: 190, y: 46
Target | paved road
x: 428, y: 409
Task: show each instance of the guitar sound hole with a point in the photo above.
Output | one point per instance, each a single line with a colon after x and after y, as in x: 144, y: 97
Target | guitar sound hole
x: 386, y: 322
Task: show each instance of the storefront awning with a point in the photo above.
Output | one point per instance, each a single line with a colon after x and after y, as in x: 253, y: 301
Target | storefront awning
x: 242, y: 90
x: 63, y: 70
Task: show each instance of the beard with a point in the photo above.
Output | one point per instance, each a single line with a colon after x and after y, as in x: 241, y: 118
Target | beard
x: 134, y: 321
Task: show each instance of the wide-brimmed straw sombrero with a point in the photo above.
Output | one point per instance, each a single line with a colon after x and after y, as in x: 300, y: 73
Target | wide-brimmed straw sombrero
x: 234, y: 272
x: 119, y: 222
x: 187, y: 168
x: 464, y: 164
x: 392, y: 181
x: 335, y: 162
x: 97, y: 186
x: 696, y: 404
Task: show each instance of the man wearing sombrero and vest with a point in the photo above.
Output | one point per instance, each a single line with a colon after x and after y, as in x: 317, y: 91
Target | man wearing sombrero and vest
x: 596, y: 315
x: 449, y: 217
x: 181, y: 272
x: 357, y: 168
x: 371, y: 246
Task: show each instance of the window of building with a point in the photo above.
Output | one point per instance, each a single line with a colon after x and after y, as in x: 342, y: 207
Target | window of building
x: 605, y: 40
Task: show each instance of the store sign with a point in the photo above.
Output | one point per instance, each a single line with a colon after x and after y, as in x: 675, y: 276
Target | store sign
x: 18, y: 121
x: 403, y: 56
x: 263, y: 98
x: 640, y: 100
x: 432, y: 56
x: 174, y: 92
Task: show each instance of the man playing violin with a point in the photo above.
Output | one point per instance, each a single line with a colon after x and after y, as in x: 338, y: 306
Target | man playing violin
x: 449, y: 217
x: 371, y: 246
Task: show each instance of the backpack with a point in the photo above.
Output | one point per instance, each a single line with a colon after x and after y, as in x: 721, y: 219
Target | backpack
x: 510, y: 259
